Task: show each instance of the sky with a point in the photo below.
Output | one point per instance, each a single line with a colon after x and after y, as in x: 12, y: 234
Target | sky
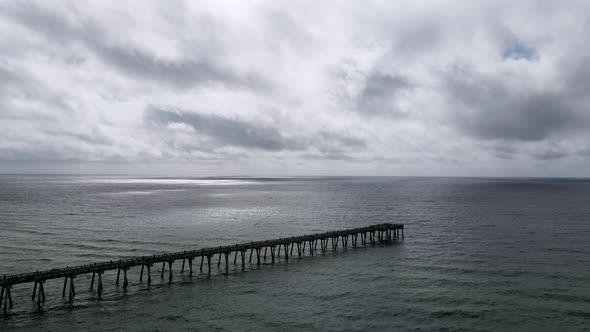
x: 424, y: 88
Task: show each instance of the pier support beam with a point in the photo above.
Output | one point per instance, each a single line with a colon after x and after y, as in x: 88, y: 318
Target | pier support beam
x: 41, y: 296
x: 72, y: 290
x: 94, y: 273
x: 63, y: 293
x: 169, y: 269
x: 40, y: 292
x: 125, y: 281
x: 7, y: 295
x: 147, y: 266
x: 226, y: 254
x: 243, y: 254
x: 99, y: 286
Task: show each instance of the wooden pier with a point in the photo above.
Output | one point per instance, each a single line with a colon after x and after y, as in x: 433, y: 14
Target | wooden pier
x: 328, y: 240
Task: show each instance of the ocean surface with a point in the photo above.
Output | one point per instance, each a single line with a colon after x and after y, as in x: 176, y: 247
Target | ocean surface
x: 478, y: 254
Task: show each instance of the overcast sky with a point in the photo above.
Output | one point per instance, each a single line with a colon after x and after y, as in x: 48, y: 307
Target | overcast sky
x: 498, y: 88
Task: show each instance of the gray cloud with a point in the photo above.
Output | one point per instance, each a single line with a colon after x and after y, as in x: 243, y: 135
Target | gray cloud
x: 18, y: 83
x: 56, y: 26
x: 93, y: 136
x: 577, y: 74
x: 178, y: 73
x: 488, y: 108
x: 330, y: 156
x: 127, y: 59
x: 549, y: 155
x: 15, y: 83
x: 421, y: 37
x: 237, y: 132
x: 378, y: 95
x: 346, y: 141
x: 227, y: 131
x: 504, y: 151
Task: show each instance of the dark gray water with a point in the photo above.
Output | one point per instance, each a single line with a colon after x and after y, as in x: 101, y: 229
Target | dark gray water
x: 479, y: 254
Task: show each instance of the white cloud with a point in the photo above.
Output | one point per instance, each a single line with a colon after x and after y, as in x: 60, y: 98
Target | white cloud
x: 264, y: 87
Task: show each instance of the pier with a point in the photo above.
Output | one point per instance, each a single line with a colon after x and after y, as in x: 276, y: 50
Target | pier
x: 275, y: 249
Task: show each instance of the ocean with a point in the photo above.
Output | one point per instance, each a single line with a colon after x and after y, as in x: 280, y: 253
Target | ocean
x: 479, y: 254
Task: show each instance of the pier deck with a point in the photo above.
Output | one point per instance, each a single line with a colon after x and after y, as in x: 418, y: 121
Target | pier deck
x: 376, y: 233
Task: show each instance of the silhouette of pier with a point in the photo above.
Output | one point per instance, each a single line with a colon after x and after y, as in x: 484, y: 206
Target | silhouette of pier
x: 387, y: 232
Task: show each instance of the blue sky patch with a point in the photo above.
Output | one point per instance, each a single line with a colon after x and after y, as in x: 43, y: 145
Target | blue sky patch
x: 517, y: 49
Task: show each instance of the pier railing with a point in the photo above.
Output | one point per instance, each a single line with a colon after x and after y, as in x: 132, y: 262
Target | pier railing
x: 376, y: 233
